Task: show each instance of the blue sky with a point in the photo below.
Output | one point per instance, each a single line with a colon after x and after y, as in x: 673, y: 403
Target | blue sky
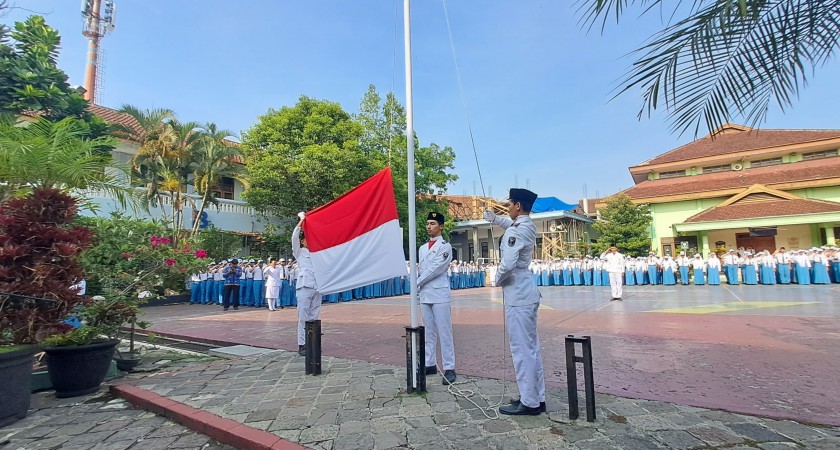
x: 537, y: 86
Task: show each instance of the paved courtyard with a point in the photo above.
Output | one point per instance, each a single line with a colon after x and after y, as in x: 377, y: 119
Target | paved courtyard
x: 770, y: 351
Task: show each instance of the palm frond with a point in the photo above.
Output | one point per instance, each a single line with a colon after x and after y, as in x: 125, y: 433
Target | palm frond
x: 728, y: 59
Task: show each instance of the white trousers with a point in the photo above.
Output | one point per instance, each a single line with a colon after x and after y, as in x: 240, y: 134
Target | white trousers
x: 309, y: 308
x: 527, y: 357
x: 615, y: 284
x: 437, y: 319
x: 270, y: 301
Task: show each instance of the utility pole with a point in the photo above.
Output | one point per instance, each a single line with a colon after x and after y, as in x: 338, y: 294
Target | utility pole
x: 99, y: 18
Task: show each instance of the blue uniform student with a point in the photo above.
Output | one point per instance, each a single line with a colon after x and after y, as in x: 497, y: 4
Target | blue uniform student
x: 748, y: 272
x: 258, y: 292
x: 629, y: 275
x: 713, y: 270
x: 699, y: 267
x: 668, y: 276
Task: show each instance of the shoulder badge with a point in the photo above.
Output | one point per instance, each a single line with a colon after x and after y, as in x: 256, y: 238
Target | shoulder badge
x: 446, y: 254
x: 511, y: 241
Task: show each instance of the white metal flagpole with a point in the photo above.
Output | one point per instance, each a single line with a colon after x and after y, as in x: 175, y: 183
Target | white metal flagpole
x: 412, y: 213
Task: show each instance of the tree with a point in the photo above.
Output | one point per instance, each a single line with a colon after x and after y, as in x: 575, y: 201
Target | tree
x: 303, y: 156
x: 30, y: 81
x: 384, y: 137
x: 215, y: 158
x: 726, y: 58
x: 55, y: 155
x: 625, y: 225
x: 307, y: 155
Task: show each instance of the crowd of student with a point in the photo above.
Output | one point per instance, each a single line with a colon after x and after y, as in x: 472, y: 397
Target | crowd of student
x: 208, y: 287
x: 812, y: 266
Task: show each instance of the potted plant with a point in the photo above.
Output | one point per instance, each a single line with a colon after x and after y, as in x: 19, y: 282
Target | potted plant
x: 38, y: 269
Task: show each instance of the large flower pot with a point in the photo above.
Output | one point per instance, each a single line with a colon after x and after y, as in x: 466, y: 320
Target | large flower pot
x: 15, y: 387
x: 79, y: 369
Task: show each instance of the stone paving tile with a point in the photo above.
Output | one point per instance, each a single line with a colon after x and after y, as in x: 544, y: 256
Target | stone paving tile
x: 359, y: 405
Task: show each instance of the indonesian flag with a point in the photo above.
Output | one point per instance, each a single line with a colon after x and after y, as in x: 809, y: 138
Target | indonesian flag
x: 356, y: 240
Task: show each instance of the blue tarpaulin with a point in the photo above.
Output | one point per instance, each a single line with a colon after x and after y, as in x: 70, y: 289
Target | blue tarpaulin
x: 546, y: 204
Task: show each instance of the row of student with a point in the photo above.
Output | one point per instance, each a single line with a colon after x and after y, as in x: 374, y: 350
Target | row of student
x: 814, y: 266
x: 273, y: 285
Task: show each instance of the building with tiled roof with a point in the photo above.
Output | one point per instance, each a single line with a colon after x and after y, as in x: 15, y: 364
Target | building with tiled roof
x: 741, y: 187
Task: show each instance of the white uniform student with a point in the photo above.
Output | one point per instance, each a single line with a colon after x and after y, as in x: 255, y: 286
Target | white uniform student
x: 306, y: 289
x: 436, y: 298
x: 273, y: 276
x: 615, y: 265
x: 522, y: 301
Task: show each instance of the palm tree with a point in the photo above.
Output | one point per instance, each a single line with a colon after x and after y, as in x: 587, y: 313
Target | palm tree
x: 216, y: 157
x: 164, y: 159
x: 58, y: 155
x: 726, y: 58
x: 151, y: 135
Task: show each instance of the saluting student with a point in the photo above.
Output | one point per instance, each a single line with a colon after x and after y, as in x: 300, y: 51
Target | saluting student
x: 522, y: 301
x: 436, y: 298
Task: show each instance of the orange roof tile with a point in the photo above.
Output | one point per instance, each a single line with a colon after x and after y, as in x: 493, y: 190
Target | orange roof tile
x: 784, y: 173
x: 115, y: 117
x: 736, y: 138
x: 769, y: 208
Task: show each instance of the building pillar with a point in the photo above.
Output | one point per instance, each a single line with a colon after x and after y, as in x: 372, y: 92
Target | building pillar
x: 492, y: 246
x: 476, y: 245
x: 704, y: 243
x: 829, y: 235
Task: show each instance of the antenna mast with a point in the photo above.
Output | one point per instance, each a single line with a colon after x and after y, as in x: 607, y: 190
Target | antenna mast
x: 99, y: 17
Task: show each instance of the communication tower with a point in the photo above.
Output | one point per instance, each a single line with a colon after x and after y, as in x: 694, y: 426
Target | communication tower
x: 99, y: 17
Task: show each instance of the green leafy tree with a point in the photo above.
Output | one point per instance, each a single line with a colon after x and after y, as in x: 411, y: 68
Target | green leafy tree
x: 624, y: 224
x: 384, y: 138
x: 719, y: 59
x: 31, y: 82
x: 56, y: 155
x: 303, y: 156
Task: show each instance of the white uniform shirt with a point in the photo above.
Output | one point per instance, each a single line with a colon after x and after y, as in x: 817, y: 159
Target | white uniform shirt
x: 272, y: 276
x: 258, y: 273
x: 432, y: 280
x: 615, y: 262
x: 517, y: 248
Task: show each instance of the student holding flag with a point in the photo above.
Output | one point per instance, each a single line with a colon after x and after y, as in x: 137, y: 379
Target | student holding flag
x: 308, y: 298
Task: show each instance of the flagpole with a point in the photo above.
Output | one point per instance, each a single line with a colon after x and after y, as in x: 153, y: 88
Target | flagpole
x: 415, y: 380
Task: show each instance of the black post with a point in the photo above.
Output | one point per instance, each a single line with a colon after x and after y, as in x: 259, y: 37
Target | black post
x: 415, y: 338
x: 571, y: 378
x: 588, y: 379
x: 313, y: 347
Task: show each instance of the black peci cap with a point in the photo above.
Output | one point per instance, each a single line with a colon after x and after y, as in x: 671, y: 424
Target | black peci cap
x: 436, y: 216
x: 523, y: 196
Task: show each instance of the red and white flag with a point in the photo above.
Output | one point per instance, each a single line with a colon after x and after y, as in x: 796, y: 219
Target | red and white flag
x: 356, y: 240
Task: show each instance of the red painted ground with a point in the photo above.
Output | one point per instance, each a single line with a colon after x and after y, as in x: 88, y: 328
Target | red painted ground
x: 776, y: 362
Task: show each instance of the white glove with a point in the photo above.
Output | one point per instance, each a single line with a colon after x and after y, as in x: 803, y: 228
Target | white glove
x: 489, y: 216
x: 302, y: 215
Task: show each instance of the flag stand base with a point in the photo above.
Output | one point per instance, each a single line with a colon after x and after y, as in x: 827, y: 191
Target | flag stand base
x: 415, y: 359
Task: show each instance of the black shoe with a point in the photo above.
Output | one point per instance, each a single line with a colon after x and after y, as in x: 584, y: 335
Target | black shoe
x: 302, y: 350
x: 515, y: 401
x: 431, y: 370
x: 225, y: 309
x: 448, y: 377
x: 520, y: 410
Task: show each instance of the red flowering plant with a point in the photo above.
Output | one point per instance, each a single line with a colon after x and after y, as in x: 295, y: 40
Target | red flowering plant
x: 126, y: 268
x: 39, y: 249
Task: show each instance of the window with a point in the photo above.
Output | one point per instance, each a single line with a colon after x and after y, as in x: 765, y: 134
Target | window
x: 715, y: 169
x: 225, y: 189
x: 766, y: 162
x: 672, y: 174
x: 818, y: 155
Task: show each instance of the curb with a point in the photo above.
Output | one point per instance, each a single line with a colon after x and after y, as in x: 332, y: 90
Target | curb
x: 223, y: 430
